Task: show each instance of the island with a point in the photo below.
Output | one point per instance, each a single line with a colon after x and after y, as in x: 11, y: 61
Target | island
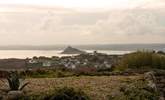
x: 71, y: 50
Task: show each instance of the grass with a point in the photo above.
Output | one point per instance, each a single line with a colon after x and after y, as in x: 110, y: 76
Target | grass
x: 97, y: 87
x: 47, y: 73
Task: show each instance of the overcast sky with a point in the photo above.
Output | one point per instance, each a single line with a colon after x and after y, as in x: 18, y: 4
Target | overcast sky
x: 48, y: 22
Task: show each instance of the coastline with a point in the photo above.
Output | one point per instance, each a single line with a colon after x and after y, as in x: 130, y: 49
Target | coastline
x: 23, y: 54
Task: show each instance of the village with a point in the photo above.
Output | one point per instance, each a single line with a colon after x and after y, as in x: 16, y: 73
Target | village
x: 95, y: 60
x: 81, y: 60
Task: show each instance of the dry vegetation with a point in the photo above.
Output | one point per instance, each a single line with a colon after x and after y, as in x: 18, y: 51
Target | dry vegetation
x: 97, y: 87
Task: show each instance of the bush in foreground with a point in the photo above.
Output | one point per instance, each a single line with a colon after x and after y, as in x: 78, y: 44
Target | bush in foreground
x: 64, y: 93
x: 69, y: 94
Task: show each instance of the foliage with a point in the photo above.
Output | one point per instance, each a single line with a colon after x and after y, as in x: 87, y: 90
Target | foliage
x: 64, y: 93
x: 104, y: 69
x: 47, y: 73
x: 142, y: 59
x: 14, y: 81
x: 69, y: 94
x: 58, y: 73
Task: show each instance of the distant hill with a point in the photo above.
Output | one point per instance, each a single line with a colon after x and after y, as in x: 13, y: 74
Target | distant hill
x: 71, y: 50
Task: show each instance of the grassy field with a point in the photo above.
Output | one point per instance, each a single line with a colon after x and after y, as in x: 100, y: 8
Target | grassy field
x: 97, y: 87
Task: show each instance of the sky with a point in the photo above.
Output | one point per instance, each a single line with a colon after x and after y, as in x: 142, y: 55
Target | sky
x: 51, y: 22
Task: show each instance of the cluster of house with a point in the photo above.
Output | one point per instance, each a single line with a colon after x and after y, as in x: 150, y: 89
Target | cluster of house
x: 95, y: 59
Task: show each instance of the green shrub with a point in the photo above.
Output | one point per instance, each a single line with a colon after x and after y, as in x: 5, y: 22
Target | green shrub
x: 47, y: 73
x: 69, y: 94
x: 64, y: 93
x: 60, y: 74
x: 14, y: 81
x: 142, y: 59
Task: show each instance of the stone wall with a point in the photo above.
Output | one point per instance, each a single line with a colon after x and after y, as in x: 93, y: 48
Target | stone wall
x: 156, y: 80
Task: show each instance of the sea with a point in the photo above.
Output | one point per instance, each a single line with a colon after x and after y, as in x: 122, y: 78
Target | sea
x: 22, y: 52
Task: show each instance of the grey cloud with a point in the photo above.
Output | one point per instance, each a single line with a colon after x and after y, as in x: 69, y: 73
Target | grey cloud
x: 132, y: 22
x: 60, y: 26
